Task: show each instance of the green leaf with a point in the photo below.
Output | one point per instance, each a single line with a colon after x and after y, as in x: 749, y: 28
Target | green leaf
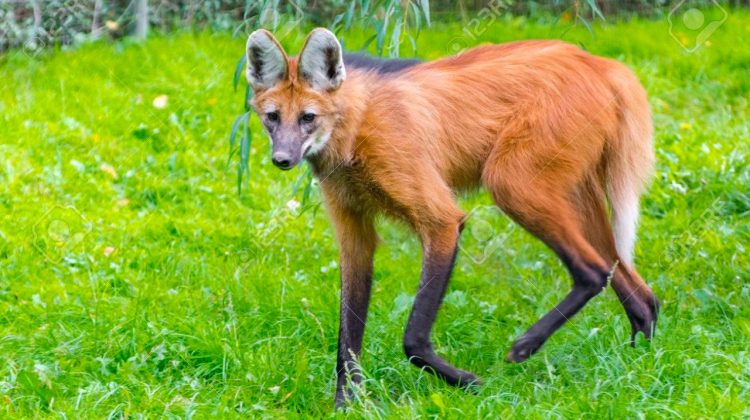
x: 308, y: 187
x: 235, y: 126
x: 382, y: 28
x: 349, y: 15
x: 245, y: 143
x: 298, y: 183
x: 395, y: 39
x: 336, y: 21
x: 239, y: 179
x: 417, y: 16
x: 233, y: 134
x: 587, y: 25
x: 595, y: 9
x: 426, y: 10
x: 248, y: 96
x: 243, y: 167
x: 239, y: 70
x: 413, y: 43
x: 307, y: 179
x: 368, y: 42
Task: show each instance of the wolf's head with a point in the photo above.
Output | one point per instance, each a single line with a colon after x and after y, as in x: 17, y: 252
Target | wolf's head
x: 295, y: 97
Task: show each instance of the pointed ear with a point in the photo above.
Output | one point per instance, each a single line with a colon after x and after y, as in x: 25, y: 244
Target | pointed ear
x: 321, y: 64
x: 267, y: 62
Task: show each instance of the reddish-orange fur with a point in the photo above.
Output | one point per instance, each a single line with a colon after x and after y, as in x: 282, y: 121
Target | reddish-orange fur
x: 548, y: 129
x: 545, y: 102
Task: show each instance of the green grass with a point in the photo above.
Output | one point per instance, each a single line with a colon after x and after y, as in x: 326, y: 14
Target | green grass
x: 169, y: 295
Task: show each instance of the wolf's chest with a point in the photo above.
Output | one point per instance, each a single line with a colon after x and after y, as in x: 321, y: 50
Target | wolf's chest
x: 358, y: 190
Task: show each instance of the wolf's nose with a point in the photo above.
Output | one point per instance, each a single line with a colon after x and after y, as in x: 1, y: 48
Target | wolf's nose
x: 281, y: 160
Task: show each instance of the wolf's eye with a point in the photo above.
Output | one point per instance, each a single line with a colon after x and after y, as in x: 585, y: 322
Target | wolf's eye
x: 272, y: 116
x: 308, y: 117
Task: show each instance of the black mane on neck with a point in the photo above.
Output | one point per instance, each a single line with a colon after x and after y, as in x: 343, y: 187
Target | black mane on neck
x: 380, y: 65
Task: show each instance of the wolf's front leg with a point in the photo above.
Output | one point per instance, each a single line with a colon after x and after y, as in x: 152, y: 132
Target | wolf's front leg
x: 357, y: 240
x: 440, y: 247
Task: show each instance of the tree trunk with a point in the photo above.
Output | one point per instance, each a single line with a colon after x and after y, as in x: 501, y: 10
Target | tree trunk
x: 141, y: 19
x: 96, y: 25
x: 37, y: 36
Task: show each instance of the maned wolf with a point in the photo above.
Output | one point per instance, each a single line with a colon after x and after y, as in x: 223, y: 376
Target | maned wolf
x: 552, y: 132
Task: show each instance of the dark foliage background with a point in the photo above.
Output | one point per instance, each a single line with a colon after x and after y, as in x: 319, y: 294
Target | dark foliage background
x: 36, y: 24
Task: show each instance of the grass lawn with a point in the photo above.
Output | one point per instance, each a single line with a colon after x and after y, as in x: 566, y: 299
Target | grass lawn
x: 135, y: 281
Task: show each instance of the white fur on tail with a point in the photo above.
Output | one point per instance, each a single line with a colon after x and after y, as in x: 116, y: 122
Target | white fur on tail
x: 630, y: 159
x: 625, y: 212
x: 630, y: 164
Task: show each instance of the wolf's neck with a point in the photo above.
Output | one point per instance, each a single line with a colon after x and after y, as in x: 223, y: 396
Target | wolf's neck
x: 352, y: 101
